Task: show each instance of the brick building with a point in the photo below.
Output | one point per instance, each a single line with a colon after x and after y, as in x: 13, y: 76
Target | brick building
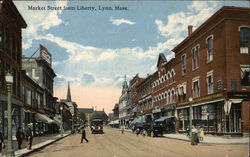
x: 213, y: 66
x: 144, y: 92
x: 164, y: 88
x: 11, y: 24
x: 134, y: 95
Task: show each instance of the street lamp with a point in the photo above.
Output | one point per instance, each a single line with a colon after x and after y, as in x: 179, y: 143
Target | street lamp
x: 9, y: 149
x: 73, y: 124
x: 190, y: 117
x: 61, y: 108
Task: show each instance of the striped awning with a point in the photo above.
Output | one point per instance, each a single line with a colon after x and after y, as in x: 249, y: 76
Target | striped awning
x: 43, y: 118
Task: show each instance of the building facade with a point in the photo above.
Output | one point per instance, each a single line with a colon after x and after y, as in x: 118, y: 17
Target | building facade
x: 164, y: 88
x: 209, y: 72
x: 124, y: 104
x: 134, y: 95
x: 11, y: 24
x: 40, y: 71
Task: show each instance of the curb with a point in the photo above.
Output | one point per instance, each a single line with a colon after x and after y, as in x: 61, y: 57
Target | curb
x: 41, y: 147
x: 187, y: 140
x: 243, y: 143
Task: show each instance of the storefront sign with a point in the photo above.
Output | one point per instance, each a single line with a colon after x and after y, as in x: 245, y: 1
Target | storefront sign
x: 44, y: 54
x: 239, y: 95
x: 201, y: 99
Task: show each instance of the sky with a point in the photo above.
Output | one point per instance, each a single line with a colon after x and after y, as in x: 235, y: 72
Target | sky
x: 95, y: 49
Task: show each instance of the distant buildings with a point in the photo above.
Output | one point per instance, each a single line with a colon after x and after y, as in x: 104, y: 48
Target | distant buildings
x: 90, y: 114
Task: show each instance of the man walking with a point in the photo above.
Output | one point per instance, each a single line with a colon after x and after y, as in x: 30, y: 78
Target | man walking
x: 84, y: 135
x: 29, y: 136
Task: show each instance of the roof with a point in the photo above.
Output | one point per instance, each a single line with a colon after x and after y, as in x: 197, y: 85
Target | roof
x: 86, y: 110
x: 13, y: 8
x: 161, y: 57
x: 208, y: 22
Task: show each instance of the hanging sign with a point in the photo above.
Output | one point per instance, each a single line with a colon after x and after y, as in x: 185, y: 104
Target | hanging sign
x: 45, y: 55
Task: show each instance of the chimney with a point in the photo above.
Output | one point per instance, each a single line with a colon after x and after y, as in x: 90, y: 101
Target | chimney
x: 190, y: 30
x: 103, y: 109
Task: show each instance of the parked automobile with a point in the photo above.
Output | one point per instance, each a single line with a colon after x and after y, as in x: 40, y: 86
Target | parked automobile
x: 96, y: 126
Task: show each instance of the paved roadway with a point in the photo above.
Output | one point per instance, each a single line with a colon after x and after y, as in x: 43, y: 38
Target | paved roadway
x: 114, y: 144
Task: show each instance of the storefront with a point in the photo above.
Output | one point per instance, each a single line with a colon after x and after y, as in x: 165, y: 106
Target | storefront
x: 216, y: 117
x: 16, y: 123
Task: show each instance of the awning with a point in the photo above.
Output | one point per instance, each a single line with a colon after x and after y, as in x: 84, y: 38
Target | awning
x: 163, y: 118
x: 43, y: 118
x: 138, y: 120
x: 114, y: 122
x: 135, y: 109
x: 57, y: 121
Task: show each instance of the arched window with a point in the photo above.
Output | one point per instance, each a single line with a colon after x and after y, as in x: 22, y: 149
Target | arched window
x: 173, y: 96
x: 169, y: 97
x: 169, y: 75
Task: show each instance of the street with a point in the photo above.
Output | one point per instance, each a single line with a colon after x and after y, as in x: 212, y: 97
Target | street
x: 114, y: 144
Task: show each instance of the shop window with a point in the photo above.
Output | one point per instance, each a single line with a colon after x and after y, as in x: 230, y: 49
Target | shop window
x: 196, y: 88
x: 184, y: 66
x: 195, y: 57
x: 244, y: 40
x: 209, y: 49
x: 245, y: 75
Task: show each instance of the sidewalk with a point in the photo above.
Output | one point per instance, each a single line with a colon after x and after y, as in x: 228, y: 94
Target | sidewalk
x: 210, y: 139
x: 38, y: 143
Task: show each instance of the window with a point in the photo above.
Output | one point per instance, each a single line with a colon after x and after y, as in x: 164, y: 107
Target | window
x: 1, y: 74
x: 13, y: 47
x: 195, y: 57
x: 196, y: 88
x: 18, y: 83
x: 14, y: 86
x: 183, y: 61
x: 233, y: 84
x: 210, y: 83
x: 244, y: 40
x: 28, y: 97
x: 1, y: 36
x: 209, y: 49
x: 219, y: 84
x: 173, y: 97
x: 245, y: 75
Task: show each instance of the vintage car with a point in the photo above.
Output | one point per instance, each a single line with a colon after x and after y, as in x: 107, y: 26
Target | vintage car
x: 96, y: 126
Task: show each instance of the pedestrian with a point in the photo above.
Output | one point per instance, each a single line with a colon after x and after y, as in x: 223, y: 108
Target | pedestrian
x: 84, y: 135
x: 194, y: 136
x: 1, y: 142
x: 201, y: 134
x: 122, y: 128
x: 29, y: 136
x: 137, y: 131
x: 19, y: 137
